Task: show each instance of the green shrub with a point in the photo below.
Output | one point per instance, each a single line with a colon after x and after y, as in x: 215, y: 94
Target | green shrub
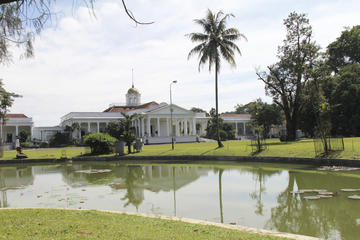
x: 25, y: 144
x: 100, y: 143
x: 60, y: 140
x: 43, y: 145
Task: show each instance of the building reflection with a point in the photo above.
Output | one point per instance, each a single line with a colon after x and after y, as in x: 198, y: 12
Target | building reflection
x: 14, y: 178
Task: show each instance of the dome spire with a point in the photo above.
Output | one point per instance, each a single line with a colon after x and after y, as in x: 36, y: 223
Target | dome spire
x: 132, y: 78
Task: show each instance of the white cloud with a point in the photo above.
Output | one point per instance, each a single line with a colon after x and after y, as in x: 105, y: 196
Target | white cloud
x: 84, y: 63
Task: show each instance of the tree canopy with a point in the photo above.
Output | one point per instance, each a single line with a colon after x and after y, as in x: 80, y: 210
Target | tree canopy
x: 345, y: 50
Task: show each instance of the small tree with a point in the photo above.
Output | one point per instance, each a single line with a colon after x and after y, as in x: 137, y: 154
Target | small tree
x: 128, y: 135
x: 115, y: 129
x: 23, y: 136
x: 59, y: 139
x: 6, y: 101
x: 100, y: 143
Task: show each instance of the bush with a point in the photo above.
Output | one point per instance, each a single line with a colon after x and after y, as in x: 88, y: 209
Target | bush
x: 100, y: 143
x: 25, y: 144
x: 43, y: 145
x: 23, y: 136
x: 60, y: 139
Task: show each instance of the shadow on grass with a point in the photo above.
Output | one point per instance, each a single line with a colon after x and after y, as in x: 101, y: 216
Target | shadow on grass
x: 331, y: 154
x: 206, y: 152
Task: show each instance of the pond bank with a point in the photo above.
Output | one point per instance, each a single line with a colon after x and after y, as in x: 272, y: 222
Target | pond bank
x: 163, y: 225
x: 190, y: 158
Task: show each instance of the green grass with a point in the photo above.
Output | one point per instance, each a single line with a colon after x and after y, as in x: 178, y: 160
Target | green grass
x: 48, y: 153
x: 71, y: 224
x: 302, y: 148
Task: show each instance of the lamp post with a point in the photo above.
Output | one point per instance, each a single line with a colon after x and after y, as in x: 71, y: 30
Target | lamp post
x: 171, y: 117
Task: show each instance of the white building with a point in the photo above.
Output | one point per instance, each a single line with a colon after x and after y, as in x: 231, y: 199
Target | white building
x: 14, y: 124
x: 155, y: 122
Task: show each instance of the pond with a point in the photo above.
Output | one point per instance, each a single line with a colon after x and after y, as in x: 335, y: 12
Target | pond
x: 257, y: 195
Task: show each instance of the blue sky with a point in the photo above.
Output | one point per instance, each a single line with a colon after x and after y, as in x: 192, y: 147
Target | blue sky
x: 83, y: 63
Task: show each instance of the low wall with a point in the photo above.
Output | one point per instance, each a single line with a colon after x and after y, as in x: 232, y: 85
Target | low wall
x: 190, y: 159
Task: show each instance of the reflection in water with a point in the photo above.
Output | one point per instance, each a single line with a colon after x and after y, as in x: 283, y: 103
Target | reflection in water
x: 256, y: 195
x: 14, y: 178
x: 220, y: 196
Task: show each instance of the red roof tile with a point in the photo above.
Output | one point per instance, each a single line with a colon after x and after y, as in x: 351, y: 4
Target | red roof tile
x: 128, y: 108
x: 16, y: 115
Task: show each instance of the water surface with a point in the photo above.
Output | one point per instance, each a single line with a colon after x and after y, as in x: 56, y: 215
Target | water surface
x: 256, y: 195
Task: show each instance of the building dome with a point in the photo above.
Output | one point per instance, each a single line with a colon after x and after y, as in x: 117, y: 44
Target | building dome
x: 133, y: 97
x: 133, y: 91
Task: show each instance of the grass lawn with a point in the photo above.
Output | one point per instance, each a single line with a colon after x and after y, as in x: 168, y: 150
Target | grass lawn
x: 302, y: 148
x: 67, y: 224
x: 48, y: 153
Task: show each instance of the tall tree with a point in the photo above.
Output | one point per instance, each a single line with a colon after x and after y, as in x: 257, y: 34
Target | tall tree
x: 285, y: 79
x: 216, y: 41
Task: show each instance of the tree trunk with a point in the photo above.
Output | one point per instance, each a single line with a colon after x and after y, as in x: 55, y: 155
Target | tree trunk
x: 290, y: 130
x: 129, y: 148
x: 220, y: 145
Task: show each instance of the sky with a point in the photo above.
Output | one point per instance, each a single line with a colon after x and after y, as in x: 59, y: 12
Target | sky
x: 83, y: 62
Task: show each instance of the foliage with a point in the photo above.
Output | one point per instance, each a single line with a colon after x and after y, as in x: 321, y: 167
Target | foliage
x: 345, y: 101
x: 100, y: 143
x: 23, y: 135
x: 199, y: 110
x: 286, y: 78
x: 244, y: 108
x: 21, y: 20
x: 115, y: 129
x: 345, y: 50
x: 263, y: 115
x: 226, y: 131
x: 6, y: 101
x: 25, y: 144
x: 128, y: 134
x: 60, y: 139
x: 216, y: 41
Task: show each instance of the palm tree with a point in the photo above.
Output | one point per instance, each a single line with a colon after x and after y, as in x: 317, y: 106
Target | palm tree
x: 216, y: 41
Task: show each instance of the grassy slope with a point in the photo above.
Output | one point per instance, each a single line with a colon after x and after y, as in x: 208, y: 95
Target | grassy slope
x: 303, y: 148
x: 64, y: 224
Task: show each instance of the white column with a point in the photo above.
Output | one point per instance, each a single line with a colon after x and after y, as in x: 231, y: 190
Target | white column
x: 167, y: 127
x: 194, y: 126
x: 176, y: 127
x: 89, y: 130
x: 158, y: 126
x: 244, y: 128
x: 98, y: 127
x: 236, y: 129
x: 185, y: 127
x: 16, y: 130
x: 148, y: 127
x: 142, y: 127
